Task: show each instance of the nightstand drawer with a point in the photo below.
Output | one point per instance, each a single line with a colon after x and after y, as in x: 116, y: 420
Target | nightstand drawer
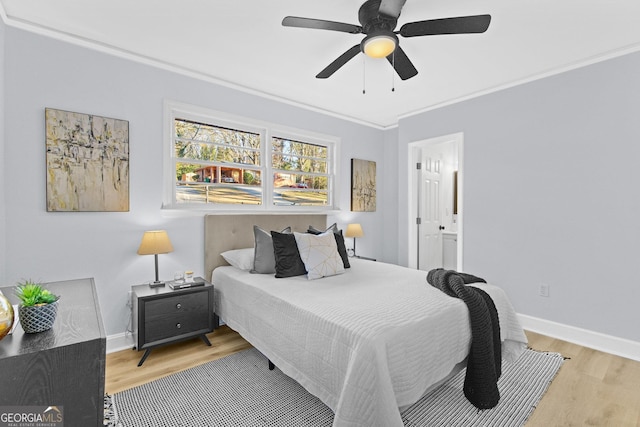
x: 176, y: 304
x: 176, y: 325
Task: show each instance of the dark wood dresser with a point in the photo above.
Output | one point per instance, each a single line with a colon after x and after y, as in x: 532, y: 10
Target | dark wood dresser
x: 63, y: 366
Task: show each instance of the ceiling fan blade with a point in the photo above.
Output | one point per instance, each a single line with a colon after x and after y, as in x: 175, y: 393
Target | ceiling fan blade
x: 339, y: 62
x: 459, y: 25
x: 402, y: 64
x: 391, y: 8
x: 319, y: 24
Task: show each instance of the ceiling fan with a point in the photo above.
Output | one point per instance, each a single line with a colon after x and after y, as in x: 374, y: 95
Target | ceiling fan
x: 378, y: 19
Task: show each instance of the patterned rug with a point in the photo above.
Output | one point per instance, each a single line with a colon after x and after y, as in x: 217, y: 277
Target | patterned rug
x: 239, y: 390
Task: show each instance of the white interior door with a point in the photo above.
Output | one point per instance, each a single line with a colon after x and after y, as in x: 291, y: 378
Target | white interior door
x: 433, y: 187
x: 430, y: 209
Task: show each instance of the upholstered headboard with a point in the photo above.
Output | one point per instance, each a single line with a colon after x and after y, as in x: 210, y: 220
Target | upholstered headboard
x: 226, y: 232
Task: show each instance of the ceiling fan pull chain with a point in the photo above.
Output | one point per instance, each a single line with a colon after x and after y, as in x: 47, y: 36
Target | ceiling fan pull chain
x: 364, y: 75
x: 393, y: 68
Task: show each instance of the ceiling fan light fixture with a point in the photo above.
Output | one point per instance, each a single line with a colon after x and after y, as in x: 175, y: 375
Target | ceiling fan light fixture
x: 379, y: 45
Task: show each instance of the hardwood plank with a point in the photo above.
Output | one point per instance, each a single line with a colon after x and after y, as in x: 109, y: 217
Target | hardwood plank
x: 123, y: 373
x: 591, y: 389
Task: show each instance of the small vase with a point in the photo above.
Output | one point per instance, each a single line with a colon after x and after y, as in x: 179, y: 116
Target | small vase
x: 6, y: 316
x: 38, y: 318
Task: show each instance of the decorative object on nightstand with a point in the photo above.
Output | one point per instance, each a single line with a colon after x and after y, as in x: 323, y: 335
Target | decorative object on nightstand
x: 38, y: 307
x: 183, y: 284
x: 188, y: 276
x: 153, y: 243
x: 354, y: 230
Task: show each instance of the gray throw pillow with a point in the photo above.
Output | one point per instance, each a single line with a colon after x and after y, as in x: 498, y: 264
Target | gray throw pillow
x: 264, y: 261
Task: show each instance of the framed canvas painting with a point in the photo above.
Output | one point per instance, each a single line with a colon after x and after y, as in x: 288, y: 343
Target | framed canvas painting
x: 363, y: 185
x: 87, y: 162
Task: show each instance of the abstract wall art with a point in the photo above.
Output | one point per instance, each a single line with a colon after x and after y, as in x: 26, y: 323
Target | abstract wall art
x: 87, y: 162
x: 363, y: 185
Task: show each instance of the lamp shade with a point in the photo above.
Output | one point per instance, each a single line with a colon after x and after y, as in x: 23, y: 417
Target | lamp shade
x: 155, y: 242
x: 354, y: 230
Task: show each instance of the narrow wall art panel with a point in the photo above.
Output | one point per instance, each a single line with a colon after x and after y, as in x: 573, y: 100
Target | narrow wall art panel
x: 363, y: 185
x: 87, y: 162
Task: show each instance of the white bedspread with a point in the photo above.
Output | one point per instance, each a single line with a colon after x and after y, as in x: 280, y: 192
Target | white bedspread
x: 365, y: 342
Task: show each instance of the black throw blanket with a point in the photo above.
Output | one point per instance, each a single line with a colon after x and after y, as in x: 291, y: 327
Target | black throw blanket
x: 484, y: 364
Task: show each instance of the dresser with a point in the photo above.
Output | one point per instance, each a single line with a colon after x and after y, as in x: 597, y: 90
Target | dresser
x: 162, y: 315
x: 63, y: 366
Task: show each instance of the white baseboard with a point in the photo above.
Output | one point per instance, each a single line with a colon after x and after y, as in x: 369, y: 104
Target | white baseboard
x: 117, y: 342
x: 596, y: 340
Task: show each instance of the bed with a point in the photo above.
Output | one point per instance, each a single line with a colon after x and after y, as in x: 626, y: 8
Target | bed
x: 367, y: 342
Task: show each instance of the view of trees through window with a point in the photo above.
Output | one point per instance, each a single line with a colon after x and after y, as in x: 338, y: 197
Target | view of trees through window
x: 222, y: 165
x: 302, y: 166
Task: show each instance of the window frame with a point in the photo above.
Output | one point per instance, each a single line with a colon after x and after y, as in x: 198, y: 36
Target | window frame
x: 175, y: 110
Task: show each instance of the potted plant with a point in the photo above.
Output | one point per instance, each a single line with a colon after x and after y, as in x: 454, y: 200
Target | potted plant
x: 38, y: 307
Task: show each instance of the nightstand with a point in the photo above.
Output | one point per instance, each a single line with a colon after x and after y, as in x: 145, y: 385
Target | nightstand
x: 164, y: 316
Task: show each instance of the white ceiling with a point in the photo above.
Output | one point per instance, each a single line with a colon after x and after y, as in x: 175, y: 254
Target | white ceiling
x: 242, y: 43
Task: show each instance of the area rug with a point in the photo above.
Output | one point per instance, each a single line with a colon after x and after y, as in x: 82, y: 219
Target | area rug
x: 239, y: 390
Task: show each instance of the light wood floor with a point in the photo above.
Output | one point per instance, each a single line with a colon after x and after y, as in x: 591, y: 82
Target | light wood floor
x: 591, y: 389
x: 122, y: 371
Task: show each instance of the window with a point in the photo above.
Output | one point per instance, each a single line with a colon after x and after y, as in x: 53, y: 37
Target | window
x: 223, y: 162
x: 300, y: 173
x: 216, y: 165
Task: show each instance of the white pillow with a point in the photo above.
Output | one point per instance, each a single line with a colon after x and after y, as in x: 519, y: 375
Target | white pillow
x: 240, y: 258
x: 319, y: 253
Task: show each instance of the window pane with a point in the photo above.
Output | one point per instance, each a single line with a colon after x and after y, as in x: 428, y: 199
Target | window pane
x: 197, y: 183
x: 288, y: 146
x: 214, y: 153
x: 298, y: 156
x: 300, y: 190
x: 299, y: 181
x: 295, y: 163
x: 199, y: 141
x: 186, y: 129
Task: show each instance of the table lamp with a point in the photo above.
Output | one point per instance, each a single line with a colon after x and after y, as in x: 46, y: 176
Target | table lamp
x: 354, y: 230
x: 154, y: 243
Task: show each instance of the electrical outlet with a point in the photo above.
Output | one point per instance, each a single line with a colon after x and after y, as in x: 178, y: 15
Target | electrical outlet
x: 544, y: 290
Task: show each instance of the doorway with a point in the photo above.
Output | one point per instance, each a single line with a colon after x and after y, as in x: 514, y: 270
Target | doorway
x: 435, y: 203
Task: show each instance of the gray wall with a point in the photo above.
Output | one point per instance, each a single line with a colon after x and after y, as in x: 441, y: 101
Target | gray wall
x: 390, y: 197
x: 550, y: 184
x: 42, y: 72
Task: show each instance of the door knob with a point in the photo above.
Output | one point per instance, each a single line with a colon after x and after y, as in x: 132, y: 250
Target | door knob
x: 441, y: 227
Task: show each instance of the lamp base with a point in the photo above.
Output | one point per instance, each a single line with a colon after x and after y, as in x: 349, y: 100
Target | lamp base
x: 156, y: 284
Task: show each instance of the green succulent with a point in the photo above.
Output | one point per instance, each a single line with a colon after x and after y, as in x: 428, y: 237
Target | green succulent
x: 31, y: 293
